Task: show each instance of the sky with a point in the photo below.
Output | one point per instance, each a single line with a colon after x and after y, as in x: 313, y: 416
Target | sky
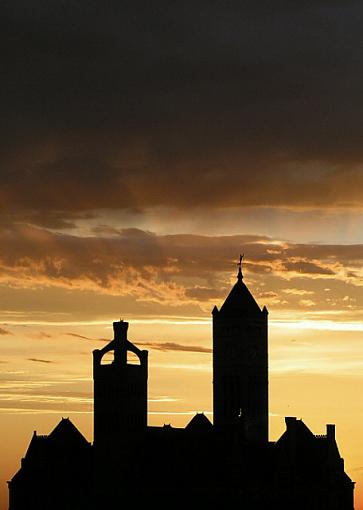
x: 144, y: 146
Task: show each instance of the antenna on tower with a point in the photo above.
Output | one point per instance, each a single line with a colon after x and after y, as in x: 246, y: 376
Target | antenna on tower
x: 240, y: 275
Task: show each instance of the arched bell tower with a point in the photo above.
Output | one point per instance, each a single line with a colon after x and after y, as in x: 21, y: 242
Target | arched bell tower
x: 240, y: 363
x: 120, y: 392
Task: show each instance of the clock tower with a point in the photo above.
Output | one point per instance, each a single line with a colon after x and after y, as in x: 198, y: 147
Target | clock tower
x: 240, y: 363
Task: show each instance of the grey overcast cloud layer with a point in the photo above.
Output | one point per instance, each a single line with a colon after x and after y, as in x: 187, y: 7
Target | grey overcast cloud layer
x: 122, y: 104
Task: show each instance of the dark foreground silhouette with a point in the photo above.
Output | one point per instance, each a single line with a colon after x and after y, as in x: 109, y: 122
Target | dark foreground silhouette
x: 230, y: 464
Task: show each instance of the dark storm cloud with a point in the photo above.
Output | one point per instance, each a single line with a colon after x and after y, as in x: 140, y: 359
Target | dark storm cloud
x: 121, y: 104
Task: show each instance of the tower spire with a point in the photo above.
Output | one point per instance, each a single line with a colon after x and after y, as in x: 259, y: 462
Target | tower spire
x: 240, y: 364
x: 240, y: 275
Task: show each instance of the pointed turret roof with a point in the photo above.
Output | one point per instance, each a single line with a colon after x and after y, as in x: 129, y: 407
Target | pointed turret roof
x: 240, y: 301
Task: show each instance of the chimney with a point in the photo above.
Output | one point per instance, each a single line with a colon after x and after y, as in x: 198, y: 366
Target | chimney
x: 291, y: 438
x: 330, y: 432
x: 290, y: 423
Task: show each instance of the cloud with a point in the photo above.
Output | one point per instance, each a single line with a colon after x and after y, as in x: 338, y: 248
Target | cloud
x: 268, y: 294
x: 104, y: 119
x: 32, y: 393
x: 5, y: 332
x: 76, y: 335
x: 171, y: 346
x: 161, y: 346
x: 172, y: 269
x: 307, y: 302
x: 205, y: 293
x: 304, y: 266
x: 37, y: 360
x: 79, y: 336
x: 299, y: 292
x: 40, y: 335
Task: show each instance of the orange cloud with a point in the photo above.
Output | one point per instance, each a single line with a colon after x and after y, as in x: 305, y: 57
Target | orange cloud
x: 5, y: 332
x: 38, y: 360
x: 171, y: 270
x: 172, y: 346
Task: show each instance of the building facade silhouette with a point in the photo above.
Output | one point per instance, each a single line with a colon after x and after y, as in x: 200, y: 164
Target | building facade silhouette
x: 229, y: 464
x: 120, y: 391
x: 240, y: 363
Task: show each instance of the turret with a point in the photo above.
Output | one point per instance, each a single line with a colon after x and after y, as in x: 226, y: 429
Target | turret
x: 240, y: 363
x: 120, y: 391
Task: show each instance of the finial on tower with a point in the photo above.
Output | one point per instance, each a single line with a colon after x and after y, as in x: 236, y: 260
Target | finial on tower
x: 240, y: 275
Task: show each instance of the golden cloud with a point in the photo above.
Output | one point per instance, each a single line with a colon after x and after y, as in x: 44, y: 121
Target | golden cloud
x: 175, y: 269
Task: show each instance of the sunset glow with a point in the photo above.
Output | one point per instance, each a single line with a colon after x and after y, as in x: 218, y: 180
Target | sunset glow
x: 143, y: 149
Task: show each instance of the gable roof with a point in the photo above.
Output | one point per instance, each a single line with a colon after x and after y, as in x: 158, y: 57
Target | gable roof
x: 311, y: 455
x: 199, y: 423
x: 65, y: 445
x: 67, y: 433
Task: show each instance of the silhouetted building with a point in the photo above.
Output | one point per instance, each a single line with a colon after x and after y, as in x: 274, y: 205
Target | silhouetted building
x: 230, y: 463
x: 120, y: 409
x: 240, y: 363
x: 120, y: 391
x: 56, y: 472
x: 308, y: 470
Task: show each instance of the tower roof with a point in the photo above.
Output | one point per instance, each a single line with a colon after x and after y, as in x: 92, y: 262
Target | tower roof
x: 240, y: 301
x: 199, y: 422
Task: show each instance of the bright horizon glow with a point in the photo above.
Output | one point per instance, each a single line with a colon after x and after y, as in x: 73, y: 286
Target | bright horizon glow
x: 306, y: 324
